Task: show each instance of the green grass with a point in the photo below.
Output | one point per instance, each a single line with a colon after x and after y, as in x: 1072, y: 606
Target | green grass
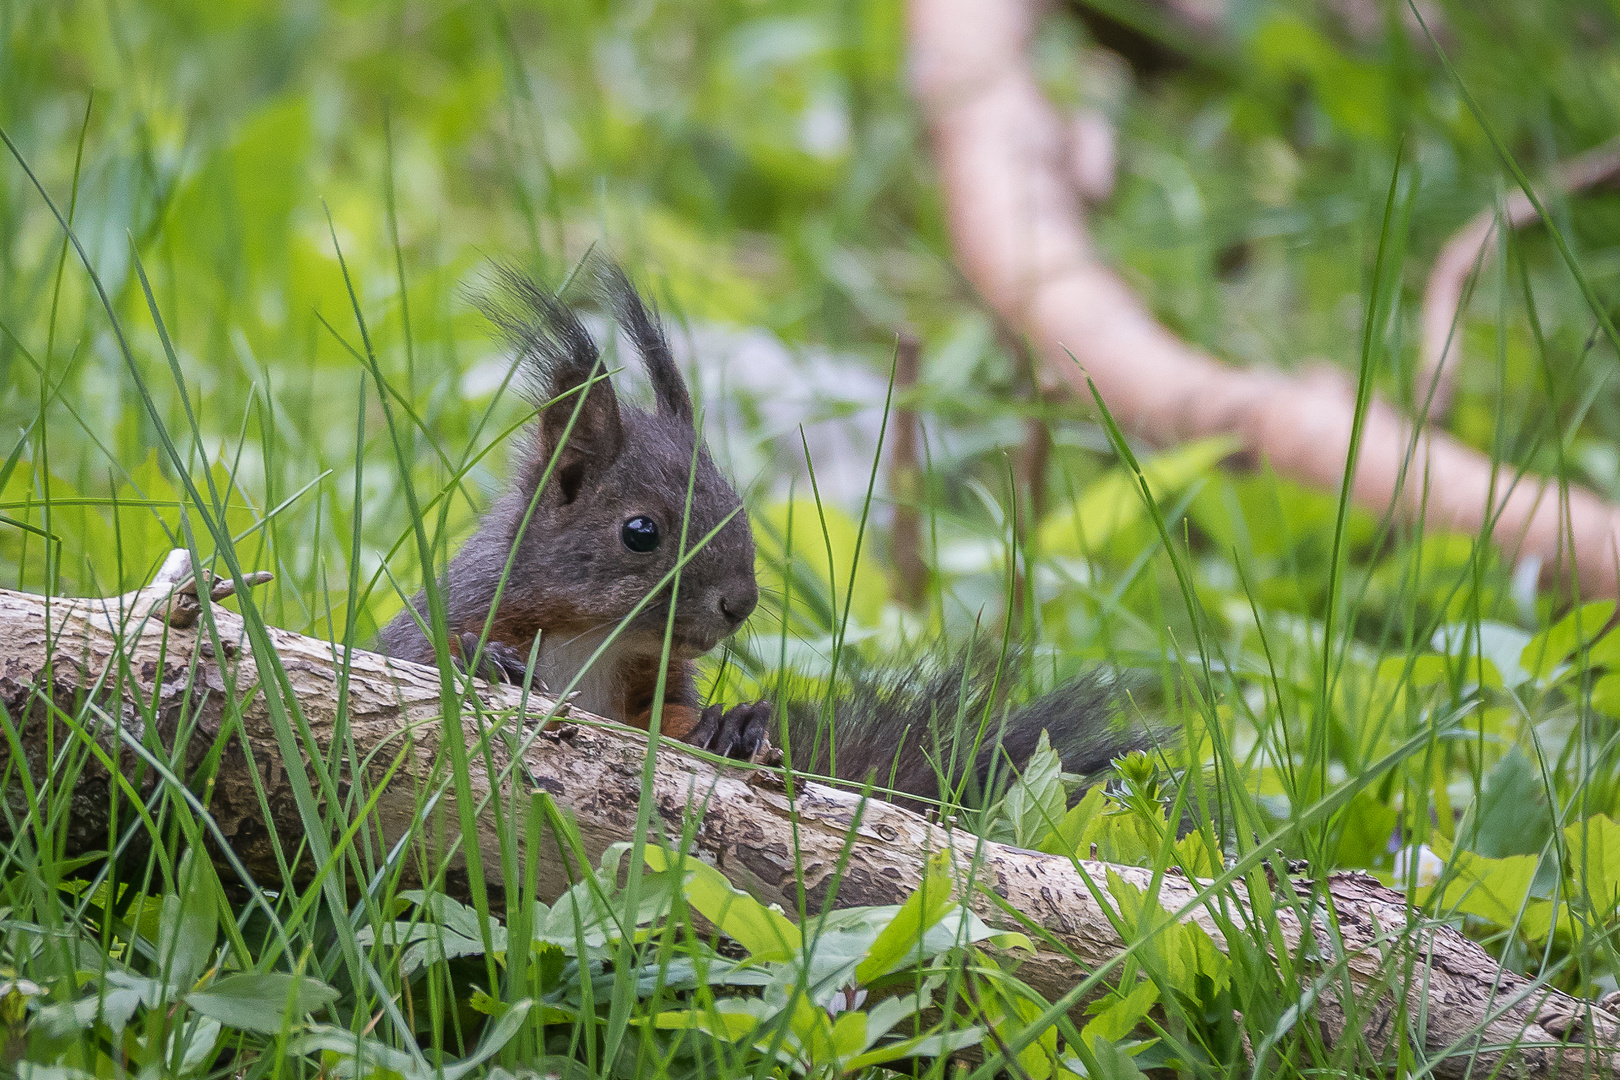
x: 260, y: 348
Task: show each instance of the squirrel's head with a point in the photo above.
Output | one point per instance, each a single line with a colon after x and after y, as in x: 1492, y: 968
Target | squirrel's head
x: 626, y: 491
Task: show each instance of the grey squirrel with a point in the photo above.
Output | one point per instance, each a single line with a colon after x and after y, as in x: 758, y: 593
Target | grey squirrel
x: 606, y: 531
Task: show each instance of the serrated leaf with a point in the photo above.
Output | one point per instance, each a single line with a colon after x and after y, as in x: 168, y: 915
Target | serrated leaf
x: 1034, y: 805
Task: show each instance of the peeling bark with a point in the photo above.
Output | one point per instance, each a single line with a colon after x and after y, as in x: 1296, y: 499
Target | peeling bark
x: 128, y: 656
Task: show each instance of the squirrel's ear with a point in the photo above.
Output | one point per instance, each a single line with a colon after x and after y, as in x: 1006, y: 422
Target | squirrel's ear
x: 596, y: 437
x: 648, y: 337
x: 558, y: 356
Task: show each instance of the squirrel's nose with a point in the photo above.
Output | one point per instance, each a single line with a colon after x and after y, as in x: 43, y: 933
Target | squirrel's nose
x: 737, y: 604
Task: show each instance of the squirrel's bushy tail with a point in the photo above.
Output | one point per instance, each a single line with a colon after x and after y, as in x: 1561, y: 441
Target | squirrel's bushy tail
x: 913, y: 728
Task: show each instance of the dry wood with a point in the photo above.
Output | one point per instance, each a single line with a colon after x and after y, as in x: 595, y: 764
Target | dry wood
x: 1457, y: 1002
x: 1460, y: 258
x: 1018, y: 227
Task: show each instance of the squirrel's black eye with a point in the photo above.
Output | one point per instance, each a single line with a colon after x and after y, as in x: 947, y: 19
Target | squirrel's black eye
x: 640, y: 534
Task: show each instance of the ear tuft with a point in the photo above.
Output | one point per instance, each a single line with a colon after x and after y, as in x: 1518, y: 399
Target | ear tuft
x: 644, y: 331
x: 557, y: 356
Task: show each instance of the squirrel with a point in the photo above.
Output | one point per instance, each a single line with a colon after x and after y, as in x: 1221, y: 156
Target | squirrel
x: 625, y: 490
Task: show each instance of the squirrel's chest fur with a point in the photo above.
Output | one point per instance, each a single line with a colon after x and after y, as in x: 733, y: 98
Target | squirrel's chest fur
x: 619, y: 681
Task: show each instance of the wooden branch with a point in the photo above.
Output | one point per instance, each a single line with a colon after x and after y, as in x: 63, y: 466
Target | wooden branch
x: 1019, y: 232
x: 124, y: 652
x: 906, y: 478
x: 1460, y: 258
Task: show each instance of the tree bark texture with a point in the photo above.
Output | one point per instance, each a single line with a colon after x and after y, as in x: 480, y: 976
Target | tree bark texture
x: 151, y: 679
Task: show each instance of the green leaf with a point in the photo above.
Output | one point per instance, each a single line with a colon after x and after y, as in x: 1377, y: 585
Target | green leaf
x: 1365, y: 826
x: 1510, y: 816
x: 903, y: 937
x: 935, y: 1045
x: 188, y: 923
x: 1499, y: 643
x: 1594, y: 862
x: 1113, y: 1063
x: 728, y: 1020
x: 1493, y: 889
x: 1112, y: 503
x: 848, y: 1036
x: 765, y: 932
x: 810, y: 556
x: 1606, y: 691
x: 341, y: 1050
x: 261, y: 1001
x: 495, y: 1036
x: 1121, y: 1015
x: 1066, y: 838
x: 1034, y: 805
x: 1547, y: 651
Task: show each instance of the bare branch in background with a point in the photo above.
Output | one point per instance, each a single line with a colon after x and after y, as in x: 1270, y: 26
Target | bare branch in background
x: 905, y: 477
x: 1018, y: 226
x: 1462, y: 255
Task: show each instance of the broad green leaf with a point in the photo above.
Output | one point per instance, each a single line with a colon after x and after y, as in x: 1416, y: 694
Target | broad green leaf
x: 936, y: 1045
x: 765, y: 932
x: 809, y: 544
x: 848, y: 1036
x: 1499, y: 643
x: 902, y: 939
x: 1510, y: 816
x: 1493, y: 889
x: 1606, y: 690
x: 261, y: 1001
x: 1113, y: 1062
x: 1365, y: 826
x: 342, y: 1052
x: 189, y: 921
x: 1121, y: 1015
x: 1594, y: 861
x: 1546, y: 652
x: 114, y: 1007
x: 1113, y: 502
x: 722, y: 1022
x: 495, y: 1036
x: 1065, y: 839
x: 195, y: 1041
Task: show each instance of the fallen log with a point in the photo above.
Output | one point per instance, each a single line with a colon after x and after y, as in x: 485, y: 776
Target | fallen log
x: 155, y: 669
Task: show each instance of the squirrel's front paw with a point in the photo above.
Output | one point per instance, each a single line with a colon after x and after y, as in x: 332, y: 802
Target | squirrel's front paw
x: 738, y: 732
x: 499, y: 663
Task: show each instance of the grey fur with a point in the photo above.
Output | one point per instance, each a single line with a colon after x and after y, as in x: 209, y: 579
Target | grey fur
x: 573, y: 578
x: 911, y: 728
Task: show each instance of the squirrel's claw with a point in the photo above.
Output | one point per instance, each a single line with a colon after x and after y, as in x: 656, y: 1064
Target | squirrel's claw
x: 738, y: 732
x: 499, y: 663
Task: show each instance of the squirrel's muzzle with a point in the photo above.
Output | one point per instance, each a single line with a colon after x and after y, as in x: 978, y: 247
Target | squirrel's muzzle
x: 737, y: 603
